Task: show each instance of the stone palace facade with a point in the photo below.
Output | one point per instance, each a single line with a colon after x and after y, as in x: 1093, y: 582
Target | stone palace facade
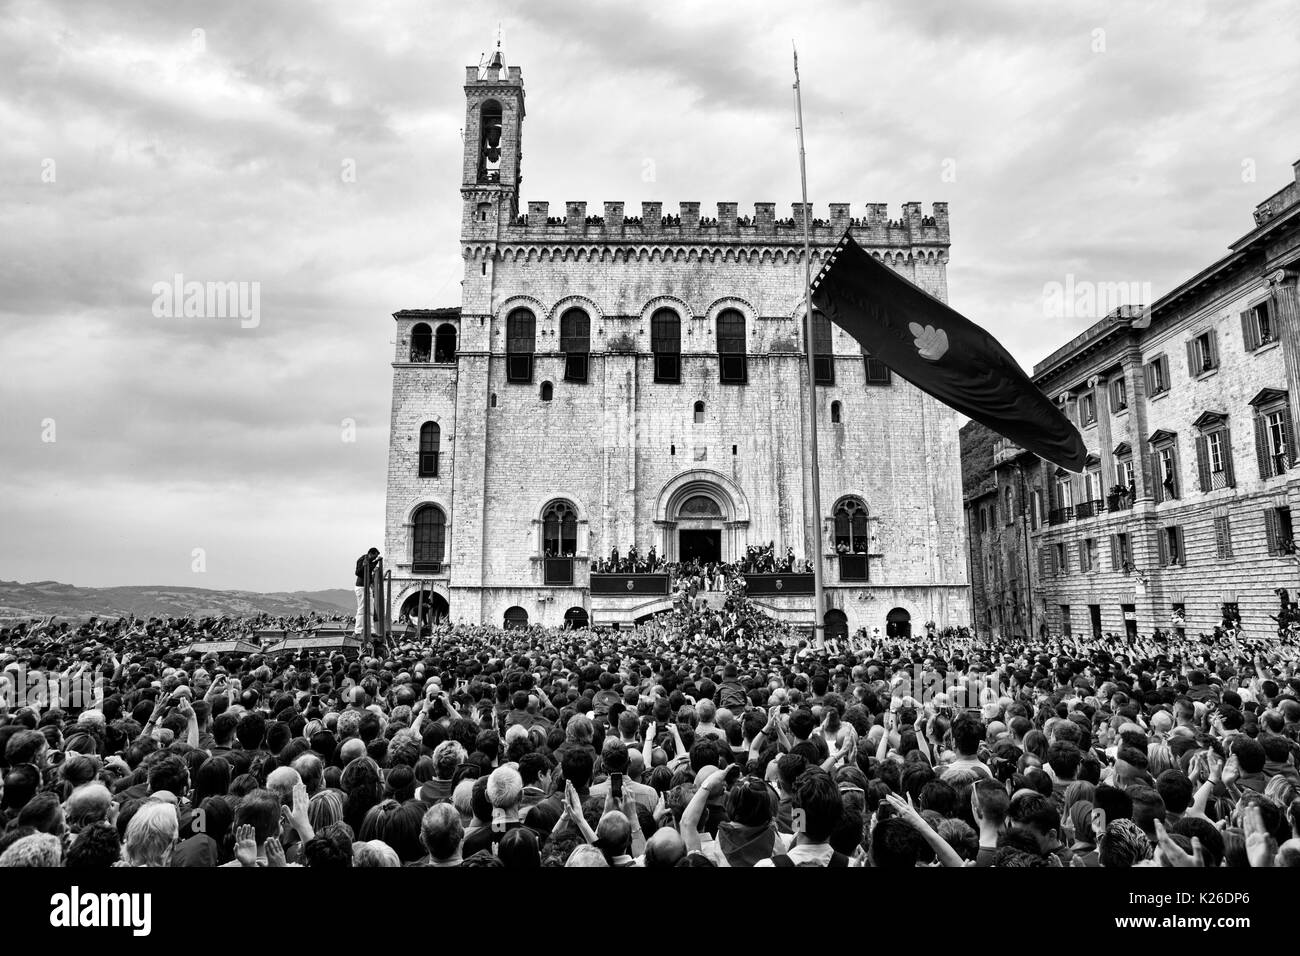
x: 612, y: 380
x: 1182, y: 519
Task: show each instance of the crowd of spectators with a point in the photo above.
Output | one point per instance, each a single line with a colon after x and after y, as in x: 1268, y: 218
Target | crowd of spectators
x: 708, y: 737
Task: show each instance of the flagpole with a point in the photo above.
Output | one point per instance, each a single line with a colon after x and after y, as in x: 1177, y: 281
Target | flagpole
x: 814, y: 519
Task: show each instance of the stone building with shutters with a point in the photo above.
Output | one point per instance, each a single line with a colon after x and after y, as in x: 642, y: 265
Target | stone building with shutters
x: 1183, y: 516
x: 612, y: 381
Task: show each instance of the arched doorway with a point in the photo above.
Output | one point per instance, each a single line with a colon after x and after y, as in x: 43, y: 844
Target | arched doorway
x: 423, y: 609
x: 703, y: 515
x: 837, y: 625
x: 516, y: 618
x: 898, y: 623
x: 575, y: 618
x: 699, y: 529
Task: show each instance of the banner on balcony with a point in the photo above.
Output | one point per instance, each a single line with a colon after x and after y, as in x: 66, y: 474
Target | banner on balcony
x: 942, y: 352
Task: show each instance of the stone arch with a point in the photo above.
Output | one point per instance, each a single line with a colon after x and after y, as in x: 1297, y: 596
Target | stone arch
x: 684, y: 311
x: 540, y: 312
x: 730, y: 523
x: 580, y: 301
x: 732, y: 302
x: 423, y: 500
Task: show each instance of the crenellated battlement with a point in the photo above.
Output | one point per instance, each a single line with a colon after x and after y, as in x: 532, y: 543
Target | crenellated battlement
x: 875, y: 227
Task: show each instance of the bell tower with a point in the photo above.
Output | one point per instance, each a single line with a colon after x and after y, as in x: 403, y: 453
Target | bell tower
x: 494, y: 117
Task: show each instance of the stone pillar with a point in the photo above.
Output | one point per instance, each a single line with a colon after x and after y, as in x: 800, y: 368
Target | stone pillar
x: 1282, y: 283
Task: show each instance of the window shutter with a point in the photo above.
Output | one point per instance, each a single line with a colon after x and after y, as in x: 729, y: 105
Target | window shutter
x: 1203, y: 462
x: 1219, y: 545
x: 1157, y: 480
x: 1083, y: 555
x: 1249, y: 334
x: 1193, y: 367
x: 1162, y: 541
x: 1261, y: 446
x: 1042, y: 562
x: 1114, y: 553
x: 1270, y: 529
x: 1213, y: 340
x: 1176, y: 485
x: 1147, y: 378
x: 1182, y: 551
x: 1287, y: 431
x: 1229, y: 475
x: 1163, y: 362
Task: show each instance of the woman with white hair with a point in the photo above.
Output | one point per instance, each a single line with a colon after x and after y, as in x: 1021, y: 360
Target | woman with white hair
x: 36, y: 850
x: 374, y: 853
x: 150, y: 835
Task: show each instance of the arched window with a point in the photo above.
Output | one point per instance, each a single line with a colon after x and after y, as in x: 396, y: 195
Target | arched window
x: 516, y: 619
x: 559, y: 530
x: 430, y: 438
x: 823, y: 350
x: 898, y: 623
x: 444, y: 343
x: 548, y: 391
x: 484, y: 208
x: 699, y: 413
x: 421, y: 343
x: 489, y: 163
x: 575, y: 343
x: 521, y: 342
x: 835, y: 413
x: 429, y: 540
x: 666, y: 343
x: 837, y: 624
x: 731, y: 347
x: 492, y: 402
x: 851, y: 527
x: 576, y: 619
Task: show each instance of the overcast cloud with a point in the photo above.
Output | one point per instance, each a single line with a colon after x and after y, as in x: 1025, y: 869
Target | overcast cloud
x: 218, y: 156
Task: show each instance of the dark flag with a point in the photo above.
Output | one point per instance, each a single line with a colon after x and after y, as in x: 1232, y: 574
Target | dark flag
x: 941, y: 352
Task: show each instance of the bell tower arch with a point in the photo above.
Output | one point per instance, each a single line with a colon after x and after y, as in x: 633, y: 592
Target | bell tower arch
x: 494, y: 117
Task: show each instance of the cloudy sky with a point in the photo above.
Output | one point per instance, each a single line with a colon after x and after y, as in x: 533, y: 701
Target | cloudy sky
x: 1111, y: 142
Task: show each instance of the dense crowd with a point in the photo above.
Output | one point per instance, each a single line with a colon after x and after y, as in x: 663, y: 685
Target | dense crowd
x: 709, y: 737
x: 758, y: 559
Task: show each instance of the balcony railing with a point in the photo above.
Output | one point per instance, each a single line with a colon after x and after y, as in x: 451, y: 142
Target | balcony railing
x: 853, y: 567
x: 557, y: 571
x: 1060, y: 515
x: 771, y: 584
x: 1087, y: 509
x: 1220, y: 479
x: 629, y: 584
x: 1119, y: 502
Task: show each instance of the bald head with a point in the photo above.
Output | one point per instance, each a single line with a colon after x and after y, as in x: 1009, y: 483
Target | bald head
x: 614, y: 832
x: 281, y: 782
x: 664, y: 848
x: 352, y: 748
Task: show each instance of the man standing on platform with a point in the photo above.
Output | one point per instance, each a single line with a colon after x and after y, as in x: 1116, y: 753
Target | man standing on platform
x: 370, y: 561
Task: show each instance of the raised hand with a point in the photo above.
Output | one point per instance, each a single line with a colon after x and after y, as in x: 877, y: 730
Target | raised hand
x: 275, y: 854
x: 246, y: 845
x: 1171, y: 854
x: 1261, y: 848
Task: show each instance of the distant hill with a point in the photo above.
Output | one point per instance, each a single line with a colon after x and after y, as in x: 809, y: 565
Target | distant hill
x: 42, y: 598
